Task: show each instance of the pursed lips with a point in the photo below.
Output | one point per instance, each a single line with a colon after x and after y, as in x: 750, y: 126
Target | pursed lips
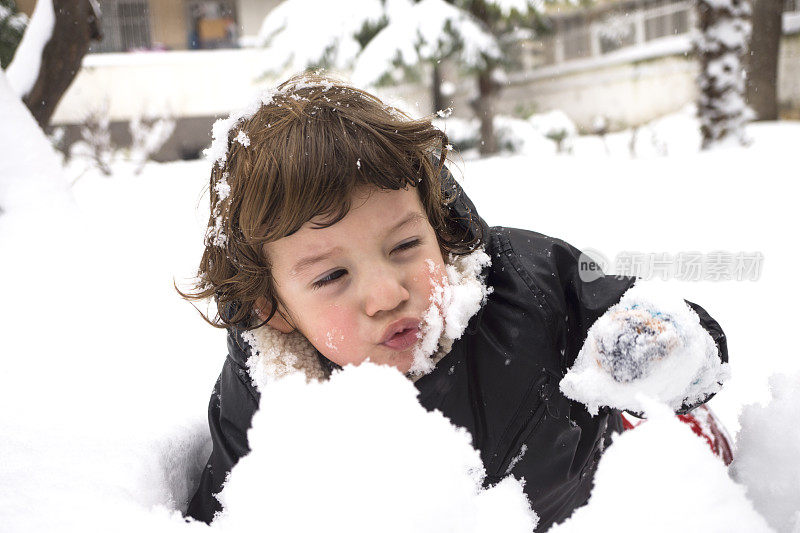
x: 401, y: 334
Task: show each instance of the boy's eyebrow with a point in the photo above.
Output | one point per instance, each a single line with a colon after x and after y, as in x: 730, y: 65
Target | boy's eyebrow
x: 306, y: 262
x: 411, y: 217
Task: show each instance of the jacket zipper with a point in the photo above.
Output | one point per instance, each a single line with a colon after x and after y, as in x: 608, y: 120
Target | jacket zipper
x: 532, y: 421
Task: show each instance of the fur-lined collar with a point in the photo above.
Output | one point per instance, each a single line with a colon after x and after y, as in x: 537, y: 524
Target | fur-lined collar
x: 276, y: 354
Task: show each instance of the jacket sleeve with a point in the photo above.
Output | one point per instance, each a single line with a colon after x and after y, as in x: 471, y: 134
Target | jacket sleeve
x: 230, y: 412
x: 576, y: 293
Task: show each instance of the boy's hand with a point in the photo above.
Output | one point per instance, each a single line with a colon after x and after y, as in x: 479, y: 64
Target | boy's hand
x: 650, y: 343
x: 633, y: 340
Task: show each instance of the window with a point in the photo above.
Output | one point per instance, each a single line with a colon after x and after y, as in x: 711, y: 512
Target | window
x: 212, y: 24
x: 125, y: 25
x: 666, y: 20
x: 576, y: 37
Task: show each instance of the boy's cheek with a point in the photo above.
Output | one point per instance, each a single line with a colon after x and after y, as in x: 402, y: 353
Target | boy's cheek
x: 335, y: 336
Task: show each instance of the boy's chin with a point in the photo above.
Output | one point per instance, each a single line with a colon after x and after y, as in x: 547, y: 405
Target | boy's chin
x: 401, y: 360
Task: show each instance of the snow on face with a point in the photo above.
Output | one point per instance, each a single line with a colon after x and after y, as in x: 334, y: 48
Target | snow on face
x: 648, y: 343
x: 358, y: 289
x: 456, y: 297
x: 366, y: 457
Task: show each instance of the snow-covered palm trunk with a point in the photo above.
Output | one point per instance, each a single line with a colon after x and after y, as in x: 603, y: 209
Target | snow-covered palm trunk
x: 721, y: 45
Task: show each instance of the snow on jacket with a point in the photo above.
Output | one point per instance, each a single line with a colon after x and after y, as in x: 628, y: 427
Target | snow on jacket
x: 500, y: 380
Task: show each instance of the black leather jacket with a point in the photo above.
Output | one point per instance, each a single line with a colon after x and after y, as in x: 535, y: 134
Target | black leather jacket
x: 499, y: 381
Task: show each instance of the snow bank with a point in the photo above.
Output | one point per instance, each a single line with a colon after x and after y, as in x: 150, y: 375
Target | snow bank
x: 766, y: 459
x: 98, y: 435
x: 513, y: 135
x: 358, y: 453
x: 651, y: 342
x: 662, y: 477
x: 24, y: 68
x: 30, y: 173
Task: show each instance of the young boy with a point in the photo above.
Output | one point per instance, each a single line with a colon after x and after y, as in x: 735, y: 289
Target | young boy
x: 334, y: 227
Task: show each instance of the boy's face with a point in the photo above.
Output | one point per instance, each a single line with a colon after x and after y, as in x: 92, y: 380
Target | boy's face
x: 359, y: 288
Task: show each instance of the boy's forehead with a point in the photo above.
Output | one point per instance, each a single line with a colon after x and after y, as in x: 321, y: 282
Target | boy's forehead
x: 375, y: 215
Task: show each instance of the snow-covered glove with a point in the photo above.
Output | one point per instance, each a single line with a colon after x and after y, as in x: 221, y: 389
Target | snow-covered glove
x: 649, y: 343
x: 632, y: 341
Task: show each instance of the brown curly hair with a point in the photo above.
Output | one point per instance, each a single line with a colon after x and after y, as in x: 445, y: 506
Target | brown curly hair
x: 298, y: 155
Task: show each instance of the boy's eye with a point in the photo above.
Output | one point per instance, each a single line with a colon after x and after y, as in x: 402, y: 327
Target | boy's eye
x: 407, y: 245
x: 330, y: 278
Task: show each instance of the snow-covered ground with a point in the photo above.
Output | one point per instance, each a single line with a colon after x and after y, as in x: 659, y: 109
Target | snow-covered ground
x: 106, y: 371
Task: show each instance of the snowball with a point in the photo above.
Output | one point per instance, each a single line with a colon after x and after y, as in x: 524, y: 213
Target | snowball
x: 766, y: 454
x: 650, y: 343
x: 661, y: 477
x: 358, y: 453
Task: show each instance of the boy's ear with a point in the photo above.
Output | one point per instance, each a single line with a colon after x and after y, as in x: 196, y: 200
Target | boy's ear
x: 277, y: 321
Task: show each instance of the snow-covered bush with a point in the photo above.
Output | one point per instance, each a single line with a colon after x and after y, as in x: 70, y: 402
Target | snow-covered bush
x: 556, y: 126
x: 767, y: 448
x: 95, y: 145
x: 148, y: 135
x: 97, y: 149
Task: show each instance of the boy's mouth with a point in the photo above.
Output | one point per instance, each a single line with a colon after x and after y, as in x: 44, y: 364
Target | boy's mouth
x: 401, y: 334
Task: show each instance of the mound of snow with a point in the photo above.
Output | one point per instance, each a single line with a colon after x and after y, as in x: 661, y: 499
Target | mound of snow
x: 358, y: 453
x: 662, y: 477
x: 766, y: 456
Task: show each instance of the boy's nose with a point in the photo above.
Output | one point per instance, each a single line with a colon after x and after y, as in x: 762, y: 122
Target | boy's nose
x: 383, y: 292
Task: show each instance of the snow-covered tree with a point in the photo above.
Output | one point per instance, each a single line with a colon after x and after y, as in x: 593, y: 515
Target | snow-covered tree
x: 12, y: 26
x: 397, y: 36
x: 49, y: 56
x: 301, y: 34
x: 425, y: 32
x: 470, y: 32
x: 721, y: 45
